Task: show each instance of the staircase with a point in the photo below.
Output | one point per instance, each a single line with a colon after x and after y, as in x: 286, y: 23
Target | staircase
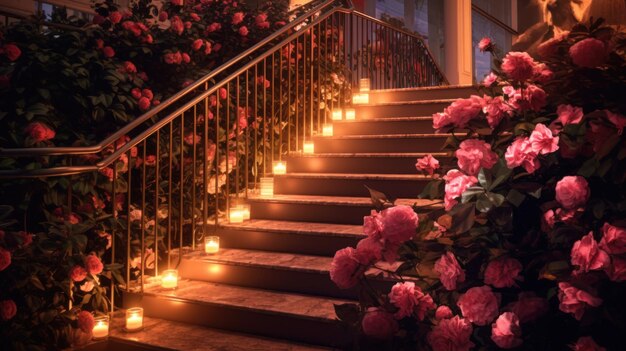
x: 269, y: 288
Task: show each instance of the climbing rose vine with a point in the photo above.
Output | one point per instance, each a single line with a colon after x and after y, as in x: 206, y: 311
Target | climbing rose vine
x: 529, y: 249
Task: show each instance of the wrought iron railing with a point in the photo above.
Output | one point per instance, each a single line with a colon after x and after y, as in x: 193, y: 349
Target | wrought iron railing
x: 173, y: 173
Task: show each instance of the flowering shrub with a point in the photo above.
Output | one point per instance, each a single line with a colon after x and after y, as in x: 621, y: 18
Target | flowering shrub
x: 529, y: 248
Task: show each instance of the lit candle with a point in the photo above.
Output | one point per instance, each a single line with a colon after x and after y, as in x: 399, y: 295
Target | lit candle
x: 280, y: 167
x: 134, y: 319
x: 364, y: 85
x: 101, y: 328
x: 211, y: 244
x: 235, y: 215
x: 245, y: 209
x: 308, y: 147
x: 337, y: 114
x: 267, y: 186
x: 358, y: 99
x: 169, y: 279
x: 327, y: 130
x: 350, y: 114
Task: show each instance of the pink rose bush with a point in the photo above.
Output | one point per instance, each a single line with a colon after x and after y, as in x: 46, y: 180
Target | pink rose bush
x: 521, y: 242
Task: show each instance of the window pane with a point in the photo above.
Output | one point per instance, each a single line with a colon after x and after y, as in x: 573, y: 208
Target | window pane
x: 482, y: 27
x: 500, y: 9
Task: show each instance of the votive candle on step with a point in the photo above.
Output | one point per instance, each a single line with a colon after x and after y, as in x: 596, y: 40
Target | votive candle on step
x: 169, y: 279
x: 360, y: 99
x: 267, y: 186
x: 364, y: 85
x: 327, y: 130
x: 350, y: 114
x: 245, y: 209
x: 308, y: 147
x: 337, y: 114
x: 134, y: 319
x: 101, y: 327
x: 279, y: 167
x: 212, y: 244
x: 235, y: 215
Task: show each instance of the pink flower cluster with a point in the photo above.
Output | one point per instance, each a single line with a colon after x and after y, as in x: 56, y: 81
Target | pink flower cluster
x: 458, y: 114
x: 474, y: 154
x: 456, y: 184
x: 524, y: 151
x: 520, y: 67
x: 39, y: 132
x: 427, y: 164
x: 410, y: 301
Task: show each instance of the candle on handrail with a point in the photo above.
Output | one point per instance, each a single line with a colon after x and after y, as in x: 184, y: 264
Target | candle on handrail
x: 308, y: 147
x: 169, y: 280
x: 101, y: 327
x: 279, y: 167
x: 350, y: 114
x: 327, y: 130
x: 211, y: 244
x: 235, y: 215
x: 359, y: 99
x: 364, y: 85
x: 267, y: 186
x: 337, y: 114
x: 134, y: 319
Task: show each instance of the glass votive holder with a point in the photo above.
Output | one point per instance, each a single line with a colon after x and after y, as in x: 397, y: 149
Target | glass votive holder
x: 279, y: 167
x: 101, y: 327
x: 134, y: 319
x: 267, y: 186
x: 308, y: 147
x: 364, y: 85
x: 327, y: 130
x: 211, y: 244
x: 337, y: 114
x: 245, y: 209
x: 235, y: 215
x: 169, y: 279
x: 350, y: 114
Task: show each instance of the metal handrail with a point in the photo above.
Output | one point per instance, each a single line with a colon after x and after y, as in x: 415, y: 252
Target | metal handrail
x: 494, y: 19
x: 84, y: 150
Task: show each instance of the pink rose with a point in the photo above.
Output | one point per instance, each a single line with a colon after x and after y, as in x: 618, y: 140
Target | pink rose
x: 535, y: 98
x: 39, y: 132
x: 86, y: 322
x: 542, y: 73
x: 261, y: 21
x: 197, y: 44
x: 93, y: 264
x: 474, y: 154
x: 186, y: 58
x: 399, y: 224
x: 410, y: 300
x: 485, y: 44
x: 368, y: 251
x: 617, y: 270
x: 586, y: 343
x: 569, y: 114
x: 572, y: 192
x: 11, y: 51
x: 495, y: 109
x: 214, y: 27
x: 143, y: 103
x: 345, y: 269
x: 541, y: 140
x: 613, y: 239
x: 450, y: 272
x: 587, y: 256
x: 547, y: 220
x: 575, y: 301
x: 456, y: 184
x: 490, y: 79
x: 207, y: 47
x: 518, y: 66
x: 5, y: 258
x: 520, y: 153
x: 223, y: 93
x: 194, y: 17
x: 588, y: 53
x: 237, y: 18
x: 458, y: 114
x: 147, y: 93
x: 177, y: 25
x: 529, y: 307
x: 379, y: 324
x: 451, y: 335
x: 506, y: 332
x: 115, y: 17
x: 78, y: 273
x: 479, y: 305
x: 177, y: 2
x: 163, y: 16
x: 427, y: 164
x: 443, y: 312
x: 372, y: 225
x: 108, y: 51
x: 129, y: 67
x: 8, y: 309
x: 503, y: 272
x: 243, y: 31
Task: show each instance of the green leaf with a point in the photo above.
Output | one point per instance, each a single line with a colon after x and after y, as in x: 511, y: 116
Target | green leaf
x: 470, y: 192
x: 462, y: 218
x: 484, y: 178
x: 347, y: 312
x: 515, y: 198
x: 36, y: 282
x: 495, y: 198
x: 483, y: 204
x: 433, y: 190
x: 379, y: 199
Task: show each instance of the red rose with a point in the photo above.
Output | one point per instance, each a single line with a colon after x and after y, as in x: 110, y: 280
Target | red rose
x: 5, y: 258
x: 143, y: 103
x: 108, y: 51
x: 613, y: 239
x: 485, y: 44
x: 93, y: 264
x: 451, y: 334
x: 129, y: 67
x: 186, y: 58
x: 237, y: 18
x: 12, y: 52
x: 399, y: 224
x: 575, y: 301
x: 450, y: 272
x: 86, y: 322
x: 136, y: 93
x: 572, y: 192
x: 147, y: 93
x: 8, y: 309
x: 502, y: 272
x: 214, y: 27
x: 427, y: 164
x: 379, y: 324
x: 194, y: 16
x: 78, y: 273
x: 518, y: 66
x: 410, y: 301
x: 479, y: 305
x: 345, y: 269
x: 243, y: 31
x: 177, y: 25
x: 223, y: 93
x: 588, y: 53
x: 197, y: 44
x: 39, y: 132
x: 115, y: 17
x: 588, y: 256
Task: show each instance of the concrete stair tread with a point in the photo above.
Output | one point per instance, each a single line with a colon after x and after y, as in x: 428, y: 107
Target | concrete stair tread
x: 410, y: 102
x: 266, y: 301
x: 436, y: 87
x: 298, y: 227
x: 338, y: 200
x: 356, y: 176
x: 389, y: 136
x: 174, y: 335
x: 388, y: 119
x: 375, y: 155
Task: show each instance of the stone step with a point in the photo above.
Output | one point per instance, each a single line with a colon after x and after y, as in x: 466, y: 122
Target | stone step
x: 163, y: 334
x: 401, y: 109
x: 347, y: 184
x: 391, y: 125
x: 388, y: 143
x: 426, y: 93
x: 323, y: 209
x: 322, y: 239
x: 387, y: 163
x: 296, y: 317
